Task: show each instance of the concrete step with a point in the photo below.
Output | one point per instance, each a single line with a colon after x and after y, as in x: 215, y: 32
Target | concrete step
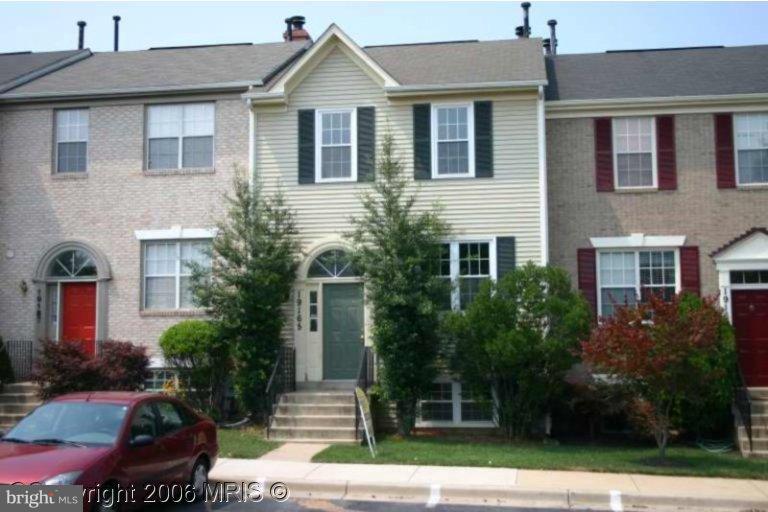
x: 313, y: 421
x: 313, y: 441
x: 295, y: 409
x: 760, y: 420
x: 758, y: 393
x: 759, y: 407
x: 18, y: 408
x: 758, y: 432
x: 20, y: 387
x: 758, y: 445
x: 326, y: 385
x: 19, y: 398
x: 319, y: 398
x: 319, y: 433
x: 11, y: 418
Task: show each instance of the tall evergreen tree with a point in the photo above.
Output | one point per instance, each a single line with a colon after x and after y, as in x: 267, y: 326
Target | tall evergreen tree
x: 397, y: 248
x: 254, y: 258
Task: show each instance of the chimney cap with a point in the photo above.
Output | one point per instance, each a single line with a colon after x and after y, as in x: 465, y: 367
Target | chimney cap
x: 552, y: 23
x: 525, y: 5
x: 81, y: 23
x: 116, y: 17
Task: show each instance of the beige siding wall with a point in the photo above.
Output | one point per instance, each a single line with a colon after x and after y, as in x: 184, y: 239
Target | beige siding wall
x: 507, y: 204
x: 709, y: 217
x: 39, y: 210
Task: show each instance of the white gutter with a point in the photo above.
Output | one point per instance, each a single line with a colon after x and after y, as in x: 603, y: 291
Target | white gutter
x: 50, y: 68
x: 477, y: 86
x: 129, y: 91
x: 251, y: 144
x: 543, y: 200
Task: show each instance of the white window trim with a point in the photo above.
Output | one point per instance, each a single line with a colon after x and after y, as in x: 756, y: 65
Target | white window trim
x: 654, y: 158
x: 470, y: 139
x: 454, y: 254
x: 456, y: 387
x: 175, y: 233
x: 177, y: 275
x: 638, y: 287
x: 57, y: 141
x: 180, y: 138
x: 737, y: 170
x: 319, y: 144
x: 636, y: 240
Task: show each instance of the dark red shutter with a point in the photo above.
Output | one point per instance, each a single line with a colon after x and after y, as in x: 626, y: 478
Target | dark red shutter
x: 724, y: 157
x: 690, y: 280
x: 665, y: 152
x: 604, y: 154
x: 587, y: 267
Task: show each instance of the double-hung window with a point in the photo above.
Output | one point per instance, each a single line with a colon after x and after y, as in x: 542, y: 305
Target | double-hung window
x: 167, y: 272
x: 634, y: 143
x: 751, y: 148
x: 626, y: 277
x: 180, y: 136
x: 71, y: 140
x: 448, y: 403
x: 453, y: 151
x: 335, y: 143
x: 466, y: 265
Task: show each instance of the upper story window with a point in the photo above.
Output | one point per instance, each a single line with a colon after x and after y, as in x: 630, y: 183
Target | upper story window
x: 72, y: 140
x: 180, y: 136
x: 336, y: 152
x: 634, y: 142
x: 465, y: 265
x: 167, y: 274
x: 453, y: 144
x: 626, y: 277
x: 752, y: 148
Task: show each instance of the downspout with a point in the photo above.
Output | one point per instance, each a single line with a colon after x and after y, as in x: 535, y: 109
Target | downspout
x: 543, y: 202
x: 251, y: 144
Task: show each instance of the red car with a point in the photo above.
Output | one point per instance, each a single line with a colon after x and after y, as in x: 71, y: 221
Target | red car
x: 147, y: 445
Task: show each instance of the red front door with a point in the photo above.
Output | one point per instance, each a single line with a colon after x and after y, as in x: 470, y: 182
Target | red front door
x: 78, y: 314
x: 750, y: 319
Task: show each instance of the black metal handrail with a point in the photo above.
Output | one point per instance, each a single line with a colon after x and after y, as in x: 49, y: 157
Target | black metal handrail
x: 364, y: 381
x: 744, y: 405
x: 282, y: 380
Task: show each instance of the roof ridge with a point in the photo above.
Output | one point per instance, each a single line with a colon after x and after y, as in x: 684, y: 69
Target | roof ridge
x: 458, y: 41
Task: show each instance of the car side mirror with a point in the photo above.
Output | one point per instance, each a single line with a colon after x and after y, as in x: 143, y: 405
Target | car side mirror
x: 142, y: 440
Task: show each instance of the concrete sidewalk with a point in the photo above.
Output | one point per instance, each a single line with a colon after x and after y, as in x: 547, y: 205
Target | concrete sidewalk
x: 497, y: 486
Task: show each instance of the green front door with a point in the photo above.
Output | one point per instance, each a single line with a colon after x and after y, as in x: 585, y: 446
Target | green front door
x: 342, y: 330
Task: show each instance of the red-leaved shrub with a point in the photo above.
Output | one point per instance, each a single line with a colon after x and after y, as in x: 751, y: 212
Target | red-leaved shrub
x: 65, y: 368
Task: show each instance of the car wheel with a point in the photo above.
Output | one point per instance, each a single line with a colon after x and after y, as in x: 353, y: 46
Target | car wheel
x: 107, y: 500
x: 199, y: 478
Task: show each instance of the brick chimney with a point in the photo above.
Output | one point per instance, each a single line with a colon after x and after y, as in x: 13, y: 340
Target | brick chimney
x: 294, y: 29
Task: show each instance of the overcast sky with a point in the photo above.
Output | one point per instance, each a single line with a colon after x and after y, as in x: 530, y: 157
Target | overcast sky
x: 583, y: 26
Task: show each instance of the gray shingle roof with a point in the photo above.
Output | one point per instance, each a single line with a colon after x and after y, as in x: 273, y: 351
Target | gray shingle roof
x: 163, y: 69
x: 15, y: 67
x: 462, y: 62
x: 658, y: 73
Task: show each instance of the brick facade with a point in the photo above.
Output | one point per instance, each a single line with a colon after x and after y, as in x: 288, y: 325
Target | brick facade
x: 709, y: 217
x: 103, y: 208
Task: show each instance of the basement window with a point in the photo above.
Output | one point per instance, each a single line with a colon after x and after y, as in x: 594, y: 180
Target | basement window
x: 447, y: 405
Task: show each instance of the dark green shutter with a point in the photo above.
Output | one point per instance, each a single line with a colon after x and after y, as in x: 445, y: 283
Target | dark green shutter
x: 366, y: 143
x: 422, y: 144
x: 306, y: 146
x: 505, y: 255
x: 483, y: 139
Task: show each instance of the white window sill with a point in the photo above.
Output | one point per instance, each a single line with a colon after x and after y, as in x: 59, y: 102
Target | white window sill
x: 635, y: 190
x: 162, y: 313
x: 436, y: 176
x: 752, y: 186
x: 79, y: 175
x: 182, y: 171
x: 326, y: 181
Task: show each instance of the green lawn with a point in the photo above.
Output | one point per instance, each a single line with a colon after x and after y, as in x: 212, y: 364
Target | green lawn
x: 244, y: 443
x: 573, y: 457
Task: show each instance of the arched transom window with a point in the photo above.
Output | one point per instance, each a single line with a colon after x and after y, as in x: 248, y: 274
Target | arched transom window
x: 333, y: 263
x: 73, y: 263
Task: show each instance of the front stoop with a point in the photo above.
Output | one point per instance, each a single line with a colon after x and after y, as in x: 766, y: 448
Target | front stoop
x: 16, y: 401
x: 759, y: 405
x: 315, y: 417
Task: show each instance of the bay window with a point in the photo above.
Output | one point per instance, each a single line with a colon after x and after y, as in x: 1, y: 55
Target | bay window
x: 180, y: 136
x: 626, y: 277
x: 751, y: 148
x: 167, y: 272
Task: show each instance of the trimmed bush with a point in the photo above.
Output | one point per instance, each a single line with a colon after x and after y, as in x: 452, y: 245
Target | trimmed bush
x: 65, y: 368
x: 201, y: 356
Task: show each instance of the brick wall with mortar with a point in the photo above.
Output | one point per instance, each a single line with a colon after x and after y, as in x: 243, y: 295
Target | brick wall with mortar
x: 709, y: 217
x: 104, y: 208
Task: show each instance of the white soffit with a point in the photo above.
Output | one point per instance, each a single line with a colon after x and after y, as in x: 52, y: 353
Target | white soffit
x: 636, y: 240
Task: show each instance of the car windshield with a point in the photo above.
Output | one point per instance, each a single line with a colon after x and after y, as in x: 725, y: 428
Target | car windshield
x: 70, y: 423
